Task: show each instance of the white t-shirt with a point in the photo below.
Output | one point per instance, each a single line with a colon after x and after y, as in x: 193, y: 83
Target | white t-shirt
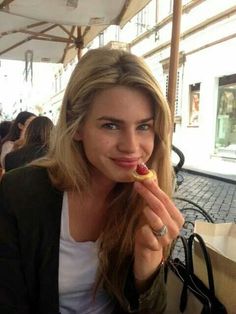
x: 78, y: 262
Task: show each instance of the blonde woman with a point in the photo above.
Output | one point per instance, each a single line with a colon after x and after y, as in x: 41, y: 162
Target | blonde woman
x: 78, y: 235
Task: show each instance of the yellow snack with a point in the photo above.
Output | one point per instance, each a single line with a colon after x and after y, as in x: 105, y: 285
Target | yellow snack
x: 142, y: 173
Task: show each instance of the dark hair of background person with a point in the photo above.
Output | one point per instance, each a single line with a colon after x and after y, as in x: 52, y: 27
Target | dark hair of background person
x: 14, y: 132
x: 36, y: 144
x: 4, y: 128
x: 39, y: 131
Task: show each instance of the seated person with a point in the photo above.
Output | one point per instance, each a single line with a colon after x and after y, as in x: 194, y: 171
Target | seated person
x: 37, y: 137
x: 15, y: 136
x: 78, y: 235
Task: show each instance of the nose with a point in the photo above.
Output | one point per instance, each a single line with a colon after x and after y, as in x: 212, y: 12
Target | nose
x: 128, y: 142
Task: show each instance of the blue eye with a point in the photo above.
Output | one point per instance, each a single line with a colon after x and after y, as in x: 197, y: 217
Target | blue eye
x: 110, y: 126
x: 144, y: 127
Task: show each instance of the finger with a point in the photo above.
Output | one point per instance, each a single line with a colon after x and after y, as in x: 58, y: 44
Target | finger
x: 163, y: 197
x: 146, y: 239
x: 153, y: 202
x: 156, y: 223
x: 151, y: 191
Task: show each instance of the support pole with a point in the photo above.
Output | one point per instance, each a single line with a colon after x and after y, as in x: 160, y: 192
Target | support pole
x: 174, y: 56
x: 79, y: 43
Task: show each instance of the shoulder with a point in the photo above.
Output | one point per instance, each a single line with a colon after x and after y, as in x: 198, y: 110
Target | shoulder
x: 8, y: 144
x: 28, y: 191
x: 7, y: 147
x: 26, y: 180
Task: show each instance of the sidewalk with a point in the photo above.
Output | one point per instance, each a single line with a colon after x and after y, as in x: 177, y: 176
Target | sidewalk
x: 215, y: 195
x: 214, y: 168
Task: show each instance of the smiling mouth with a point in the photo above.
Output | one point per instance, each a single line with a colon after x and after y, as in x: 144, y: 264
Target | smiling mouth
x: 126, y: 163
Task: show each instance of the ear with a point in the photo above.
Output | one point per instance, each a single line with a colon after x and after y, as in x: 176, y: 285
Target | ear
x: 77, y: 136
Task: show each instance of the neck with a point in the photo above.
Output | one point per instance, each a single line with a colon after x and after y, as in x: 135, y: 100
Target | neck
x: 101, y: 186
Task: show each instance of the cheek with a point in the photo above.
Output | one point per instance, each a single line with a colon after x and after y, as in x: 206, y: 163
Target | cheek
x: 96, y: 147
x: 149, y: 144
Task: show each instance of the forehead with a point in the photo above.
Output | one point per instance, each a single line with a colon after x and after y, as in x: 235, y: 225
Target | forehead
x: 122, y: 100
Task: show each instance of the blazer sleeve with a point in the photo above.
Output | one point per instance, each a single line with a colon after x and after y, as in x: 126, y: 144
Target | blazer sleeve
x: 13, y: 295
x: 152, y: 301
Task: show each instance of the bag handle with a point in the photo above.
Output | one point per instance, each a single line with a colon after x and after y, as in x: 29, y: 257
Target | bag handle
x: 206, y: 258
x: 186, y: 279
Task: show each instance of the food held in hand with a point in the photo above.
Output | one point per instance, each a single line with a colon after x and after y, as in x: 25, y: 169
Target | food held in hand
x: 142, y: 173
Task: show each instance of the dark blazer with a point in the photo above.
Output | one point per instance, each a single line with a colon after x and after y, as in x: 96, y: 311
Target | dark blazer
x: 24, y: 155
x: 30, y: 218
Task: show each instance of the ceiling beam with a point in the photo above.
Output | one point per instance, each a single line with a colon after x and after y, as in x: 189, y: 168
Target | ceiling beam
x: 67, y: 32
x: 19, y: 29
x: 63, y: 40
x: 67, y: 45
x: 5, y: 4
x: 41, y: 35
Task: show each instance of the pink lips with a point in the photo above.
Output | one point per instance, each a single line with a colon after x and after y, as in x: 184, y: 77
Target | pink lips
x: 126, y: 163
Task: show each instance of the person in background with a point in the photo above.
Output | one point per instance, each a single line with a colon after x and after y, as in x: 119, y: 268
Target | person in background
x: 78, y: 234
x: 14, y: 139
x: 4, y: 129
x: 36, y: 143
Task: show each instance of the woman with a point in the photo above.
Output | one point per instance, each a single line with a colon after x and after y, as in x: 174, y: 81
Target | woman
x: 37, y: 136
x: 15, y: 137
x: 78, y: 235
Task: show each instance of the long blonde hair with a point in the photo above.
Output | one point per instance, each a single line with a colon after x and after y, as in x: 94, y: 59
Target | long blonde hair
x: 68, y: 167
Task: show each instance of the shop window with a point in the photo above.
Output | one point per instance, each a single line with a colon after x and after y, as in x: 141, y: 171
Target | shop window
x: 225, y: 140
x: 194, y: 100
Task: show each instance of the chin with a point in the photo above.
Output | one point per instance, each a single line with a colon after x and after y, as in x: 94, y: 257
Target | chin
x: 125, y: 179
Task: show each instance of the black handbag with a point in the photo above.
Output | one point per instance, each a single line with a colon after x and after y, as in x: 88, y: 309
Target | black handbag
x: 186, y: 293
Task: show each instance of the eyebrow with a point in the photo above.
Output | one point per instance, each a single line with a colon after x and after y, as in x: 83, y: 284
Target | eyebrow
x: 107, y: 118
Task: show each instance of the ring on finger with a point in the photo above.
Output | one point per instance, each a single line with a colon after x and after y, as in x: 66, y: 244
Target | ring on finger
x: 160, y: 232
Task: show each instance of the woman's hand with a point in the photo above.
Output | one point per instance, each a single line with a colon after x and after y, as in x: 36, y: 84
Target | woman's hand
x: 160, y: 225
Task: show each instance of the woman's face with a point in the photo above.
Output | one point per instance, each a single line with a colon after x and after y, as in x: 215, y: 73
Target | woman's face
x: 118, y: 133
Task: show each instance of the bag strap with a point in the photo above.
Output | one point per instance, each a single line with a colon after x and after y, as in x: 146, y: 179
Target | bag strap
x: 186, y: 279
x: 206, y: 258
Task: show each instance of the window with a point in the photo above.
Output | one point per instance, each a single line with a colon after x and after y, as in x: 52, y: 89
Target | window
x: 194, y: 100
x: 117, y: 33
x: 170, y: 6
x: 142, y: 21
x: 179, y: 83
x: 56, y: 83
x: 178, y: 91
x: 225, y: 139
x: 101, y: 39
x: 59, y: 80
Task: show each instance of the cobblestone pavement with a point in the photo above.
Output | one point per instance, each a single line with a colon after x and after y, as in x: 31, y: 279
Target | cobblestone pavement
x: 216, y: 197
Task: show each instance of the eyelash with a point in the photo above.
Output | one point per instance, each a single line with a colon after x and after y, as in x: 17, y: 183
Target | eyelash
x: 113, y: 126
x: 110, y: 126
x: 144, y: 127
